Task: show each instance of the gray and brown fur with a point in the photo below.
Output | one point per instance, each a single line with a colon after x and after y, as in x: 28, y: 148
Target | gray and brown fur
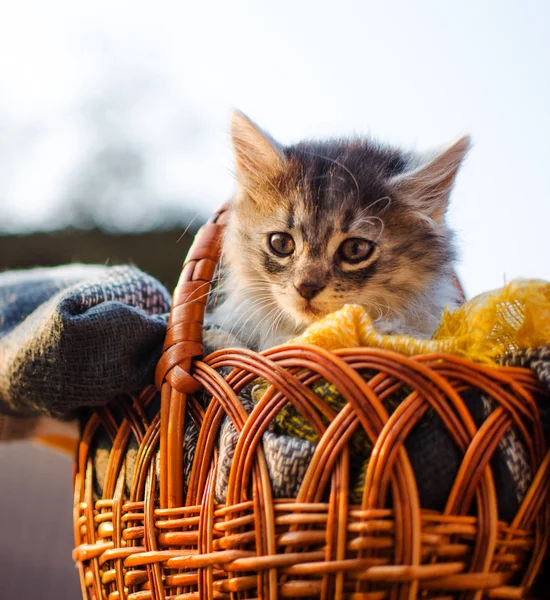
x: 321, y: 193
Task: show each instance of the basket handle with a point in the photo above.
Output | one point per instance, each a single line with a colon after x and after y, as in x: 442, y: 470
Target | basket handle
x: 183, y: 342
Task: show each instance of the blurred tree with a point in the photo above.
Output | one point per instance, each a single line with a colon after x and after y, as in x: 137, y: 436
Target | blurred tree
x: 121, y: 155
x: 110, y: 190
x: 111, y: 186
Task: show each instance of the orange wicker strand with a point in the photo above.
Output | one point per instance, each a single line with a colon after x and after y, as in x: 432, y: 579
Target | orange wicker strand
x: 156, y: 531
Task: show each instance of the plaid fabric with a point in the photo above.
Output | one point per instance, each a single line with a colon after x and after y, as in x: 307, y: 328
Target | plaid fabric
x: 538, y: 360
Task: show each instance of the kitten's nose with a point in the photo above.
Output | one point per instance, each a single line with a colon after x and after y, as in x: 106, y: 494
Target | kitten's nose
x: 309, y: 289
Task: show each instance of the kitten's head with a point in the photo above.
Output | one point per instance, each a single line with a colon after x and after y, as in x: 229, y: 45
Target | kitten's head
x: 318, y: 225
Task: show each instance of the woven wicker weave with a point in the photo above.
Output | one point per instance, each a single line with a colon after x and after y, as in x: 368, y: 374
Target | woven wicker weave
x: 156, y: 544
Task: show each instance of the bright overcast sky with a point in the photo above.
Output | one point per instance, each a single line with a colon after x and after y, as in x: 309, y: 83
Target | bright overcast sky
x: 413, y: 73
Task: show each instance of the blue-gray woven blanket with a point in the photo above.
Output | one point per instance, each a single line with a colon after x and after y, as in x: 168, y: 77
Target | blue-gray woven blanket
x: 77, y: 335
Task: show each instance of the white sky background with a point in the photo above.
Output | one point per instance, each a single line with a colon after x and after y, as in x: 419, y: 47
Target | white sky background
x: 412, y: 73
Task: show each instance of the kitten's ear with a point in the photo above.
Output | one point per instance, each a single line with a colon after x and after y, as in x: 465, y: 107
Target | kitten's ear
x: 258, y: 156
x: 427, y: 187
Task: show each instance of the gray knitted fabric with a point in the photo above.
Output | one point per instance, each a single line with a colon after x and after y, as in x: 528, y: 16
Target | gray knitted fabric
x: 77, y: 335
x: 538, y: 360
x: 287, y: 457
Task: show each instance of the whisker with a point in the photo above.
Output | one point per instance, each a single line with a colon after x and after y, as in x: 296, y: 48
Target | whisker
x: 274, y: 322
x: 193, y: 298
x: 187, y: 228
x: 278, y: 320
x: 260, y: 302
x: 369, y: 220
x: 258, y: 309
x: 258, y: 324
x: 369, y: 207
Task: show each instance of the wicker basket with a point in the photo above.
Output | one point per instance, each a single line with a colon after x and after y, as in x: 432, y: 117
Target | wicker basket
x: 155, y: 544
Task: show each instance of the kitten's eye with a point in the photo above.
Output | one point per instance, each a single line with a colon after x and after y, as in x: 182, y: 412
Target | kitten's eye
x: 281, y: 244
x: 355, y: 250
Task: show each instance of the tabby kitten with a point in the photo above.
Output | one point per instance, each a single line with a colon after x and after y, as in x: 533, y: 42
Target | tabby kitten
x: 320, y: 224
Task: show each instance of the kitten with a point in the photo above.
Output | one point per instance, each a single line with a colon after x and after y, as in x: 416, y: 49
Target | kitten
x: 320, y: 224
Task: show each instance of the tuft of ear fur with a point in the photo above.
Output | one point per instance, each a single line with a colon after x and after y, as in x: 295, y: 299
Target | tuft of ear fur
x: 427, y: 187
x: 258, y: 156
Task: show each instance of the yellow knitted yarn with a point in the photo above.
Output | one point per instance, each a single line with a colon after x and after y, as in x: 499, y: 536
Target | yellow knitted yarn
x: 483, y: 329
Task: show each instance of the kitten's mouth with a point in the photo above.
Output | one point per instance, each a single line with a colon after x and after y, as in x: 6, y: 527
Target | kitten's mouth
x: 304, y: 312
x: 311, y: 313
